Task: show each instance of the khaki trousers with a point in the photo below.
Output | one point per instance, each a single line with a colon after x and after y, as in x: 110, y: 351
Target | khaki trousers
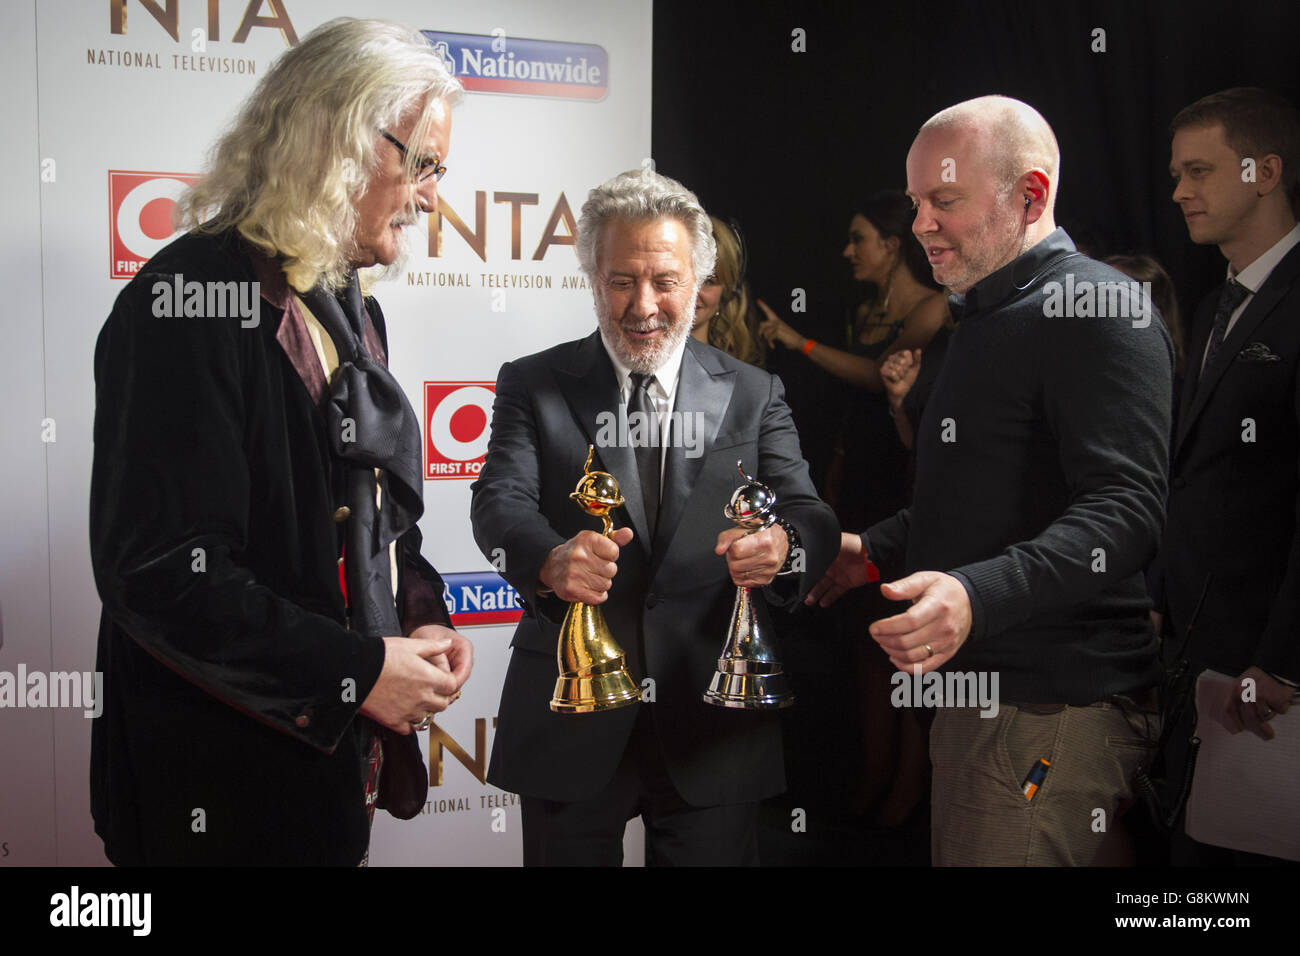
x: 979, y: 814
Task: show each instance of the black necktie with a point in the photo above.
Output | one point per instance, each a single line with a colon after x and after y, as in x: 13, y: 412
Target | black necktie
x: 1233, y: 294
x: 647, y: 450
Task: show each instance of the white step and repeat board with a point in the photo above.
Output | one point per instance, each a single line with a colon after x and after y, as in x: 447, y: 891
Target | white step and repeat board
x: 111, y: 107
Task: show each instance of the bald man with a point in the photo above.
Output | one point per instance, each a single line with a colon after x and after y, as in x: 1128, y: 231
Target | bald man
x: 1040, y: 485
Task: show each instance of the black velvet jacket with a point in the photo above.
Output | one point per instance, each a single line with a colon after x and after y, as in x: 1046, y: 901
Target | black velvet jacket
x: 230, y: 732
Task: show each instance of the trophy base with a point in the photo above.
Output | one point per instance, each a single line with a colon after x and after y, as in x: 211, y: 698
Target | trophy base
x: 593, y: 670
x: 589, y: 693
x: 748, y: 691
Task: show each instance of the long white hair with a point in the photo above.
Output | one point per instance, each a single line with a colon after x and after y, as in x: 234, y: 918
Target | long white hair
x: 288, y: 172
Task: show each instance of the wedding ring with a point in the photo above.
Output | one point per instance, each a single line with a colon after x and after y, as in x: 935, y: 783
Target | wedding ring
x: 1266, y: 713
x: 424, y: 724
x: 929, y: 652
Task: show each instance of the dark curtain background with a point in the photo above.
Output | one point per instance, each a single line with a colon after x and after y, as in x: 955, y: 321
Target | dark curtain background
x: 784, y: 142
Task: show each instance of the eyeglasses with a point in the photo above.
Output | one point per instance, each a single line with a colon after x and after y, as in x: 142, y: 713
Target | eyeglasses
x: 429, y: 165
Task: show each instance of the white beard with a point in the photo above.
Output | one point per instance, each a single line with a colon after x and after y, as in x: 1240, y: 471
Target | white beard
x: 646, y: 358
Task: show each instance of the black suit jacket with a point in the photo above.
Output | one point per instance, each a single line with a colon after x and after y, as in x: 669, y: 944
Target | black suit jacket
x: 215, y: 550
x: 671, y: 598
x: 1228, y: 573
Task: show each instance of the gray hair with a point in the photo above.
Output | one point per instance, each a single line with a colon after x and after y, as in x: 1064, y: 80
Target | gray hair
x: 288, y: 172
x: 638, y: 195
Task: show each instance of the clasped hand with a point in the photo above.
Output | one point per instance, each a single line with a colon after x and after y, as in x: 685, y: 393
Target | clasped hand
x: 422, y: 674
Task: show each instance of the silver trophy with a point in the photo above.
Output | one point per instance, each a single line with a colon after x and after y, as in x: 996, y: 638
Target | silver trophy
x: 749, y: 677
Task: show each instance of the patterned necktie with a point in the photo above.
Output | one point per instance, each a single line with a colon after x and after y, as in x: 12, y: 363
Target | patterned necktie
x: 1233, y: 294
x: 647, y: 451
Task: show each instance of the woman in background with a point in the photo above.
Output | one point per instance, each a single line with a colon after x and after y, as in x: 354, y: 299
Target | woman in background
x: 903, y: 311
x: 723, y: 309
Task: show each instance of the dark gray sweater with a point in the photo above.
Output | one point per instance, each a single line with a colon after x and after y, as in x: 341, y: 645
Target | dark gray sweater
x: 1040, y: 477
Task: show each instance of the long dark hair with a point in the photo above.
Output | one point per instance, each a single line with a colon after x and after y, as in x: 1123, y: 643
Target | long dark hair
x: 892, y: 214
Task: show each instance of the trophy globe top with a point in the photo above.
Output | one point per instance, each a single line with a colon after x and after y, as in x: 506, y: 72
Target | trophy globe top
x: 751, y: 504
x: 597, y: 492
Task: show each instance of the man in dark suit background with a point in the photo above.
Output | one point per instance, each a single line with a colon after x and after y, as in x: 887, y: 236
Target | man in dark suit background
x: 1226, y: 584
x: 666, y: 577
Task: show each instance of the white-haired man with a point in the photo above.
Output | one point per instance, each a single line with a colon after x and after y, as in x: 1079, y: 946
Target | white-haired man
x: 666, y: 579
x: 1040, y: 482
x: 270, y: 633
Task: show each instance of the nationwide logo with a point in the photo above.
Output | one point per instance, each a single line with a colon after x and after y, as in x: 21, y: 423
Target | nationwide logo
x: 480, y: 597
x: 140, y: 210
x: 456, y: 416
x: 499, y: 64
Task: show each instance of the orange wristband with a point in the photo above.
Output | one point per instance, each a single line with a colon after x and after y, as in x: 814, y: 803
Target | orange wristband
x: 808, y: 346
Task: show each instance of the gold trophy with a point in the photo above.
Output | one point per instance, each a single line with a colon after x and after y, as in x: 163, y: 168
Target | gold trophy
x: 749, y: 677
x: 593, y: 671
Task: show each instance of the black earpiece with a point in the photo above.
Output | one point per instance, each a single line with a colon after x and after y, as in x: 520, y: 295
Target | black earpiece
x: 1026, y: 202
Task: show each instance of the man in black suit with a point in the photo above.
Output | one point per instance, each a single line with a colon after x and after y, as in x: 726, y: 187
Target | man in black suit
x: 666, y: 578
x: 1226, y: 584
x: 256, y: 714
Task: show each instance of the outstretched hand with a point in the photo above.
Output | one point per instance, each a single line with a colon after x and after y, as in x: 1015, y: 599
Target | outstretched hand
x: 774, y: 329
x: 930, y: 632
x: 847, y: 571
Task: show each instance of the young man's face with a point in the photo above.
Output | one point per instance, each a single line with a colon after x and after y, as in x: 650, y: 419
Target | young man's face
x: 645, y: 290
x: 967, y: 224
x: 1207, y: 173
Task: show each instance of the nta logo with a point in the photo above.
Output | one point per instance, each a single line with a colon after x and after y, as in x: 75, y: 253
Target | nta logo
x: 169, y: 19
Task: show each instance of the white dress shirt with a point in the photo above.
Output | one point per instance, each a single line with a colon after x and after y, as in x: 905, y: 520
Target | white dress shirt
x: 662, y: 391
x: 1253, y: 277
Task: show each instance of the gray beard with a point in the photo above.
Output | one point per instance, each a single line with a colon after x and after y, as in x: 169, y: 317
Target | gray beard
x: 647, y: 361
